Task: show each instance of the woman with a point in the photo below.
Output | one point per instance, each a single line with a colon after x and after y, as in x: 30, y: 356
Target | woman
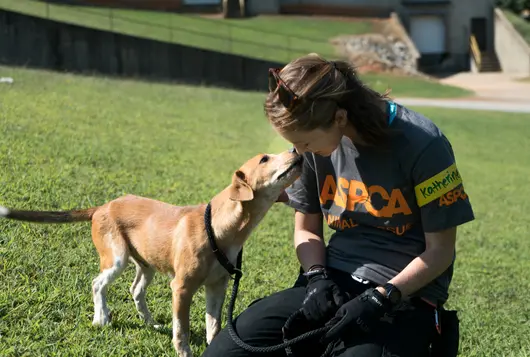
x: 384, y: 178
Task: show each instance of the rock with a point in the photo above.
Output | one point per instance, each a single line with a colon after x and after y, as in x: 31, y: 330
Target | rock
x: 375, y: 50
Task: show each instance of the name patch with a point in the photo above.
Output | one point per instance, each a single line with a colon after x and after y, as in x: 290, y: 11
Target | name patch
x: 438, y: 185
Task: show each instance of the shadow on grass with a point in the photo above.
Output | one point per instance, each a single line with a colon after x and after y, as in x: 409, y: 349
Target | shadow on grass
x: 197, y: 337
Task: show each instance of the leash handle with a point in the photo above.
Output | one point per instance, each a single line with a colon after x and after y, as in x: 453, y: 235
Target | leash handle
x: 225, y: 262
x: 282, y: 346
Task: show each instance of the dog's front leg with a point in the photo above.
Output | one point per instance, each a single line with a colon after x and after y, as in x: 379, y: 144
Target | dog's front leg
x: 182, y: 297
x: 215, y: 296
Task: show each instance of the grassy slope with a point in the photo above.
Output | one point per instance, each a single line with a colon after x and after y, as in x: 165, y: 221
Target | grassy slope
x: 261, y: 37
x: 81, y: 141
x: 264, y: 37
x: 522, y: 26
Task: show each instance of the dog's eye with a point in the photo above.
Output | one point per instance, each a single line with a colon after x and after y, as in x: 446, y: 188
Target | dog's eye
x: 264, y: 159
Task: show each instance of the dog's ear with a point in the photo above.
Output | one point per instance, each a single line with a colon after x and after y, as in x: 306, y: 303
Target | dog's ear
x: 240, y: 190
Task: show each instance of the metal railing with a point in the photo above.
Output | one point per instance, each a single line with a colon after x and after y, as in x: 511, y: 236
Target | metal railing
x: 475, y: 51
x: 196, y: 31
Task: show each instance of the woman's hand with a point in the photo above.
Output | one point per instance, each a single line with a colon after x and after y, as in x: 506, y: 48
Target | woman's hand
x: 361, y: 313
x: 323, y: 297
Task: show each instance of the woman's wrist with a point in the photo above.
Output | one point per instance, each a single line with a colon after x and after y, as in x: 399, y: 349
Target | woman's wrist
x: 316, y: 267
x: 311, y: 253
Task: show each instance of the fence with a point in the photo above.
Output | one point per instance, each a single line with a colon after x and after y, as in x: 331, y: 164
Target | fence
x: 40, y: 43
x: 204, y: 33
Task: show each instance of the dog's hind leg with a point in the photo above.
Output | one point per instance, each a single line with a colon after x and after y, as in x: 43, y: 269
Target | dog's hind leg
x: 144, y: 277
x: 113, y: 261
x: 215, y: 296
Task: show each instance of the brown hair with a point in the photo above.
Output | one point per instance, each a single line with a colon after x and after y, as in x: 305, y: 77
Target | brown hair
x: 324, y: 87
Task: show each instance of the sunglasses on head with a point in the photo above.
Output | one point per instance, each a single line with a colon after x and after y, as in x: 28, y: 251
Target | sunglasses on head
x: 287, y: 97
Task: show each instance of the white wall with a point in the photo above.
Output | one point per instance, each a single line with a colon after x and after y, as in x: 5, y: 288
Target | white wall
x: 512, y: 50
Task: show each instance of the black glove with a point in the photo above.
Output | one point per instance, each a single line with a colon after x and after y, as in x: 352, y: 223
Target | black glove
x: 361, y: 313
x: 323, y: 297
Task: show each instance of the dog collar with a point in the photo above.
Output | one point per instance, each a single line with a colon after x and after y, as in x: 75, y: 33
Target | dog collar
x: 219, y: 254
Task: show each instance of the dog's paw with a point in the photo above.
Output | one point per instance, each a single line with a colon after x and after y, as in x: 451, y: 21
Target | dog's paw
x: 101, y: 320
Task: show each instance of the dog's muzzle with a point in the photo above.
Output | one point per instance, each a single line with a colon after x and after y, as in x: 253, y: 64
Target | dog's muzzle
x: 297, y: 161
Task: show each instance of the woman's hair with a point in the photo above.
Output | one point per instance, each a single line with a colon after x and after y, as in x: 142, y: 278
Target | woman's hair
x: 323, y: 87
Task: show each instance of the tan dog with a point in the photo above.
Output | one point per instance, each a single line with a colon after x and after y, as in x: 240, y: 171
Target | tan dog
x: 157, y: 236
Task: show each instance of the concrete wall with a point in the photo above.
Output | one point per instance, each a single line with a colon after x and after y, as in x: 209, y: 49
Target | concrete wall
x: 512, y: 50
x: 462, y: 13
x: 255, y: 7
x: 40, y: 43
x: 457, y: 16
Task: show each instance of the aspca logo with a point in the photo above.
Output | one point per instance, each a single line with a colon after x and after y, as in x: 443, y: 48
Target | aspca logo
x: 438, y: 185
x: 350, y: 194
x: 452, y: 196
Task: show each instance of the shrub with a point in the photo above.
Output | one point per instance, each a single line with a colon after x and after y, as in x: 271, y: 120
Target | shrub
x: 514, y: 5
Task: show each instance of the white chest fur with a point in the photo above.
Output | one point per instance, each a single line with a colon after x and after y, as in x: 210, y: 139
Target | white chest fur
x: 217, y: 271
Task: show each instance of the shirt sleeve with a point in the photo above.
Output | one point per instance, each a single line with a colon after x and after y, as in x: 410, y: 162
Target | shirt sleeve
x: 439, y: 188
x: 303, y: 193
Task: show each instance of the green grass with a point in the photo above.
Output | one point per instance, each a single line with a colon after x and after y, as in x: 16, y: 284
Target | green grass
x: 266, y: 37
x: 522, y: 26
x: 72, y: 141
x: 405, y: 86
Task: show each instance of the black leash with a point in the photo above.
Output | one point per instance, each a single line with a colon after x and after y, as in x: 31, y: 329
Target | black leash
x: 236, y: 270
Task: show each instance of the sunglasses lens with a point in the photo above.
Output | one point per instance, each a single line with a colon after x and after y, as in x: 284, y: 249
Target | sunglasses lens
x: 286, y: 98
x: 285, y: 95
x: 273, y: 83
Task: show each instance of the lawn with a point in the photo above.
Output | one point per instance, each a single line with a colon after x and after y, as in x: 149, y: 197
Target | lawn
x: 266, y: 37
x: 72, y: 141
x: 522, y: 26
x: 406, y: 86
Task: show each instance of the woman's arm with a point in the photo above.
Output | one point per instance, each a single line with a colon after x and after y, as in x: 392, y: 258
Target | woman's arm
x: 435, y: 175
x: 308, y: 239
x: 437, y: 257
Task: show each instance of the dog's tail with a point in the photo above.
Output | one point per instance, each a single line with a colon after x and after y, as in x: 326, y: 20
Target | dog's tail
x: 48, y: 216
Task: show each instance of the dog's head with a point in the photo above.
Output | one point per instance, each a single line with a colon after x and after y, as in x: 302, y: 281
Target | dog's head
x: 266, y: 175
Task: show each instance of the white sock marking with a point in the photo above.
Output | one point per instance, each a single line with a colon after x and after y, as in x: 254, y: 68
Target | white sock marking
x: 3, y: 211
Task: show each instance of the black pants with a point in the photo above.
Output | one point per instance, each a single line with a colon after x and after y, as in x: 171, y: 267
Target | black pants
x: 406, y: 332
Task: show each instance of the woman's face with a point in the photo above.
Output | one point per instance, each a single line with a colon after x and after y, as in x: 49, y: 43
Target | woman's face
x: 319, y: 141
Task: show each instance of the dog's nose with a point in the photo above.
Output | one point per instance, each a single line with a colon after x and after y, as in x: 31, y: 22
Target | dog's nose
x: 292, y: 150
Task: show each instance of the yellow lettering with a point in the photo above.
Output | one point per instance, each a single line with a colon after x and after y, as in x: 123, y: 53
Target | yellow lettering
x: 349, y: 194
x: 341, y: 197
x: 358, y: 193
x: 328, y: 190
x: 397, y: 204
x: 400, y: 230
x: 452, y: 196
x: 382, y: 192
